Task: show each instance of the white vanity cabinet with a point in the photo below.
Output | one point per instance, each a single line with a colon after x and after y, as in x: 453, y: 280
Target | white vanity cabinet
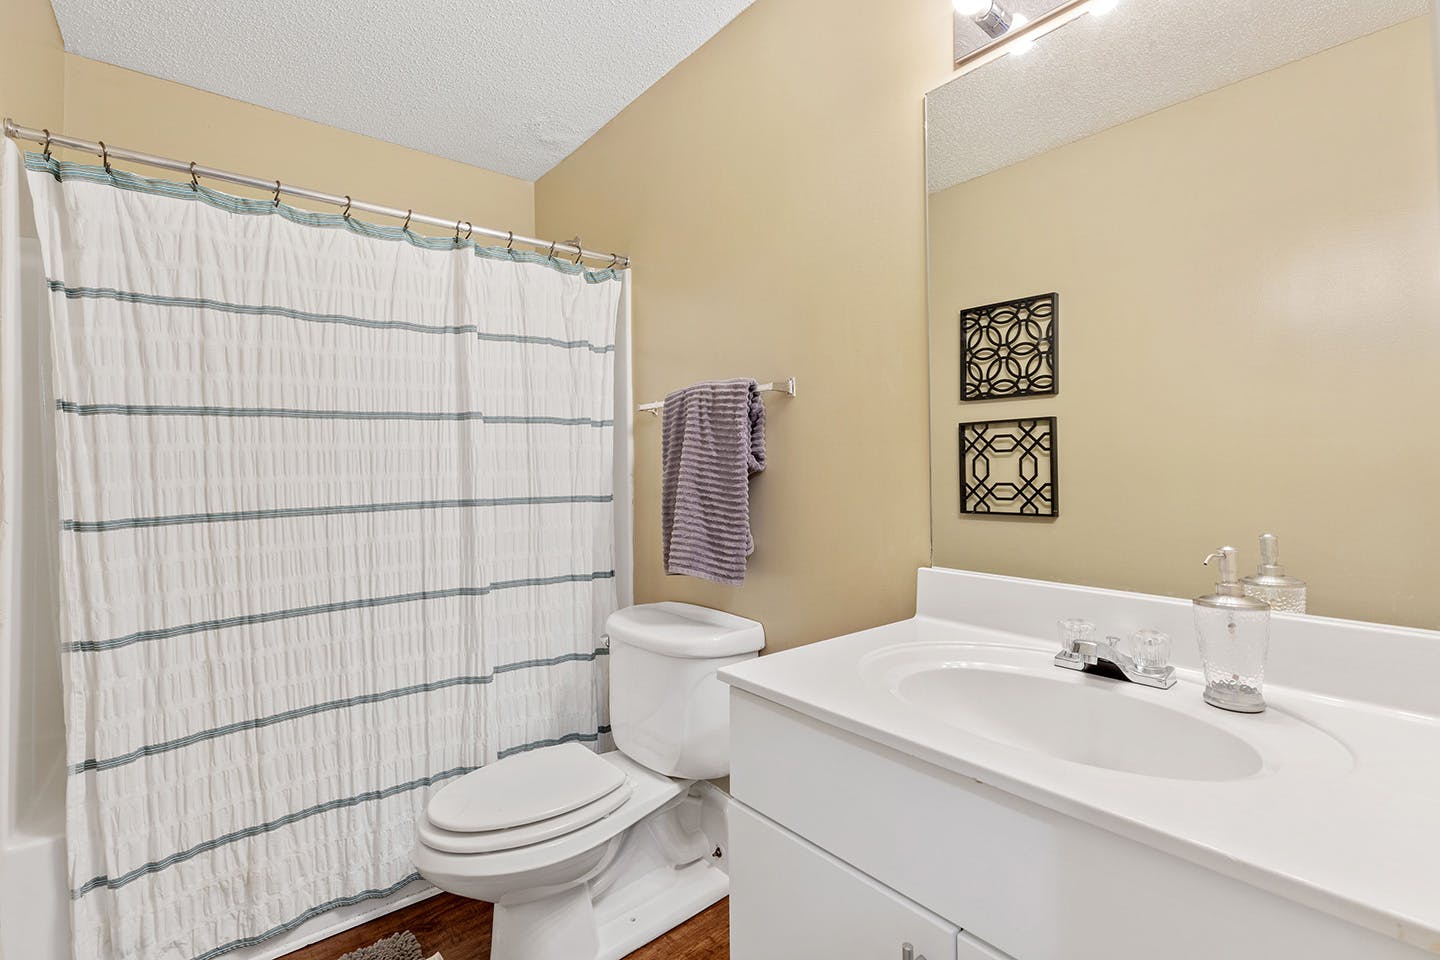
x: 843, y: 848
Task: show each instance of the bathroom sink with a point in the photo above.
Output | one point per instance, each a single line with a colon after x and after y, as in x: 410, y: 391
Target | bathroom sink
x: 1017, y: 698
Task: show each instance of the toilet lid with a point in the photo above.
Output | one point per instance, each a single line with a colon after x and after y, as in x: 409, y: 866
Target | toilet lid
x: 523, y: 789
x: 491, y: 841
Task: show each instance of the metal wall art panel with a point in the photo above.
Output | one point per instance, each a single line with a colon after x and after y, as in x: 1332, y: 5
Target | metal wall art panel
x: 1008, y: 468
x: 1010, y: 349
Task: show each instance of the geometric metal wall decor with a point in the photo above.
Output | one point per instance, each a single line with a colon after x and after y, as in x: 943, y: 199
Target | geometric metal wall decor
x: 1010, y: 349
x: 1008, y: 468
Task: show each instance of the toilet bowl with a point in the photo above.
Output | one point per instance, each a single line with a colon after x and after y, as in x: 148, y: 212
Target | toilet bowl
x: 591, y: 855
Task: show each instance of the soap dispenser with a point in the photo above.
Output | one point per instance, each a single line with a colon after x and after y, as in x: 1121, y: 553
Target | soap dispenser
x: 1284, y: 594
x: 1234, y: 635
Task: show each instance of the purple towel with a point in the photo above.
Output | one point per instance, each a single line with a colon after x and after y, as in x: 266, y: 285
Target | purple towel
x: 714, y: 441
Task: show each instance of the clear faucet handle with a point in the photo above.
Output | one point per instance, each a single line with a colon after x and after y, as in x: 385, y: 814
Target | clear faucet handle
x: 1150, y: 650
x: 1074, y: 632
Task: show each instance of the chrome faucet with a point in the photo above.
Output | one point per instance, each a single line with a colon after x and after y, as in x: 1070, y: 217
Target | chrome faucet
x: 1147, y: 665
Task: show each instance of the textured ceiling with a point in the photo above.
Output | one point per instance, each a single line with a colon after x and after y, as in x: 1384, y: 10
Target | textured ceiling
x: 1143, y: 56
x: 509, y: 86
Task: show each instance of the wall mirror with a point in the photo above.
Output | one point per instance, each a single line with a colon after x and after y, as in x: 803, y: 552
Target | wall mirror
x: 1194, y: 250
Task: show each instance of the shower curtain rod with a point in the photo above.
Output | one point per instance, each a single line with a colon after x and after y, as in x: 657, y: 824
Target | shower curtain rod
x: 572, y: 250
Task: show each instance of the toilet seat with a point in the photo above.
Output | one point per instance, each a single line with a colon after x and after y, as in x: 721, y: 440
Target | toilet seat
x: 648, y: 792
x: 525, y: 789
x: 490, y: 841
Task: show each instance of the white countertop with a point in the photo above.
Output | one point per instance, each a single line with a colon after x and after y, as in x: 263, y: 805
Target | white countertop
x: 1345, y: 817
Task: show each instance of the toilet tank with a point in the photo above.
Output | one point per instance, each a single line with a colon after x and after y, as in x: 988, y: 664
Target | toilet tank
x: 667, y: 709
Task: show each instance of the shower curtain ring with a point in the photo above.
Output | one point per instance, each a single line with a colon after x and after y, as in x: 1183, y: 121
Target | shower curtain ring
x: 457, y: 232
x: 510, y: 240
x: 551, y: 254
x: 47, y: 143
x: 406, y: 225
x: 614, y: 259
x: 105, y: 158
x: 579, y: 250
x: 346, y: 212
x: 277, y: 193
x: 469, y: 229
x: 194, y: 179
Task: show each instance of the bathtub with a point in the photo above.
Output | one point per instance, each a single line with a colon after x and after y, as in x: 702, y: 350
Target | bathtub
x: 34, y: 905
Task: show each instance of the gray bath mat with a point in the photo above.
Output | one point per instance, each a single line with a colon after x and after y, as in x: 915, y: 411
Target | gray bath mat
x: 401, y: 946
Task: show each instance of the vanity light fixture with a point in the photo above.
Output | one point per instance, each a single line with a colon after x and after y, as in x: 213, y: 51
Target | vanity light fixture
x: 988, y: 15
x: 1013, y: 32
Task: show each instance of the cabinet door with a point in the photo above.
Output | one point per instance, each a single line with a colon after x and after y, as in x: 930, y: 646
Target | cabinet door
x: 790, y: 900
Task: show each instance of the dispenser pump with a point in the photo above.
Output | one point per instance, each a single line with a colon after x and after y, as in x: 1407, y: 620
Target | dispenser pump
x: 1270, y: 584
x: 1270, y: 556
x: 1229, y: 583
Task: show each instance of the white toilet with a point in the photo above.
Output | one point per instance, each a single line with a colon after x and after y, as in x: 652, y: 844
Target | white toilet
x: 588, y: 855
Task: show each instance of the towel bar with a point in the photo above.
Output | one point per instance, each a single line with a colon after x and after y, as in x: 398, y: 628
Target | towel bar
x: 786, y: 386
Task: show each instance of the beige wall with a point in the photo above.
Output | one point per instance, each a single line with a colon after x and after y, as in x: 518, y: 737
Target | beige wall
x: 42, y: 86
x: 32, y: 63
x: 770, y: 190
x: 1250, y: 336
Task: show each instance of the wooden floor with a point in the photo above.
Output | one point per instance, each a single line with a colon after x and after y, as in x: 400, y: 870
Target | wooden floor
x: 459, y: 929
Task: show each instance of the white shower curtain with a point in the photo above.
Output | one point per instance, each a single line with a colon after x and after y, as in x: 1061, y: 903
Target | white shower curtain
x: 337, y: 527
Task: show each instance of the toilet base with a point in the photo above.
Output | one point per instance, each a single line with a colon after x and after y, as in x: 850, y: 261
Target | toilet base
x: 686, y: 892
x: 568, y: 926
x: 663, y: 872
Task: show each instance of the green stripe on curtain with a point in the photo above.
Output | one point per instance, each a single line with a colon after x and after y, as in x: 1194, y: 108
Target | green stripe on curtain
x: 308, y: 915
x: 299, y: 413
x: 339, y: 606
x: 270, y: 310
x: 285, y: 513
x: 150, y: 750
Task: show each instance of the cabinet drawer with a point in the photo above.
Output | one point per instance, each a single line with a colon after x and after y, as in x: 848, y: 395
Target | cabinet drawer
x: 790, y: 900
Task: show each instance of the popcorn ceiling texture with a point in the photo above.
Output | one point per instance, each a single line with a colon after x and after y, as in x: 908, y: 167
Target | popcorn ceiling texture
x: 1145, y: 55
x: 511, y: 87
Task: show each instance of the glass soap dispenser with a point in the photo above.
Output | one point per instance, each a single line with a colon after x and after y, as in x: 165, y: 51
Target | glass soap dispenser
x: 1284, y: 594
x: 1234, y: 635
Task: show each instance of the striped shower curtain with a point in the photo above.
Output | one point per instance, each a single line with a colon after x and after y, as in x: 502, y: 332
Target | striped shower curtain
x: 336, y: 528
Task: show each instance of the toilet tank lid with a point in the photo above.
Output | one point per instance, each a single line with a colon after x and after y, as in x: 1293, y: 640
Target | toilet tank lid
x: 684, y: 630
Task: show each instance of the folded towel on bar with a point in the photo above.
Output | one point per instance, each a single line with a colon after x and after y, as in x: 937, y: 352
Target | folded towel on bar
x: 714, y: 440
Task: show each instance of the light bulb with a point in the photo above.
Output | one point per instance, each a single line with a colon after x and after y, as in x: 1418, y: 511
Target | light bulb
x: 972, y: 8
x: 1101, y: 7
x: 1023, y: 45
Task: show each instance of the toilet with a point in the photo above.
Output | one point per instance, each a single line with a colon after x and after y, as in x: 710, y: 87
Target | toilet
x: 591, y: 855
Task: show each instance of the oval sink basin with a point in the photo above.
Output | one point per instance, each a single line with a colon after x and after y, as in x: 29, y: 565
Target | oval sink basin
x: 1068, y: 716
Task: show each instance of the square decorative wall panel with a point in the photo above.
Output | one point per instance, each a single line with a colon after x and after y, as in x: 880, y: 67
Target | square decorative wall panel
x: 1010, y: 349
x: 1008, y: 468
